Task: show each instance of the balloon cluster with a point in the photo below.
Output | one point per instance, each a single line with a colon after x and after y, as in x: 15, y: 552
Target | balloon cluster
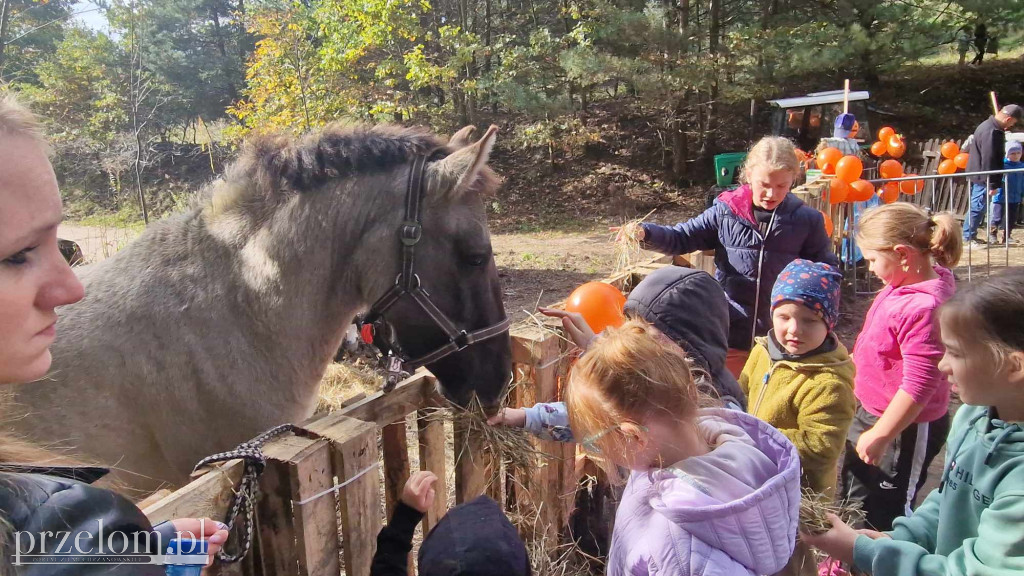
x: 846, y: 184
x: 953, y: 158
x: 889, y: 142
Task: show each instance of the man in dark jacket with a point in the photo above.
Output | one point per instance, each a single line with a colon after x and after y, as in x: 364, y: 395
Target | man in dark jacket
x: 986, y: 153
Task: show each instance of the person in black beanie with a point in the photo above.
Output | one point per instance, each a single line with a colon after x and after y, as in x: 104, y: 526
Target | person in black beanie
x: 472, y: 539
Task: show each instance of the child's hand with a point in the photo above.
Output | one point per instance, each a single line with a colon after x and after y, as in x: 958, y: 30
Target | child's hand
x: 575, y: 326
x: 873, y: 534
x: 837, y: 542
x: 513, y: 417
x: 419, y: 491
x: 215, y: 533
x: 871, y: 446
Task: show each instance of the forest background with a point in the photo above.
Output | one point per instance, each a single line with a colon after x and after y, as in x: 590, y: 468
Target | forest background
x: 608, y: 108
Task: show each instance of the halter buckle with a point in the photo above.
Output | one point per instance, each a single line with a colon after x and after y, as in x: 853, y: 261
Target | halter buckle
x: 462, y: 340
x: 410, y: 233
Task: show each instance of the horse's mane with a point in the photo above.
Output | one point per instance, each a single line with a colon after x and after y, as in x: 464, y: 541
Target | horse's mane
x: 273, y: 163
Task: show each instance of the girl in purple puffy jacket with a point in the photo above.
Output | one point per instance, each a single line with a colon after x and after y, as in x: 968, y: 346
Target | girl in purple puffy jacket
x: 710, y: 491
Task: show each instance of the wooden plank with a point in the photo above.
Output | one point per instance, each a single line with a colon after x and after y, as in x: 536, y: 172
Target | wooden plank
x: 354, y: 452
x: 153, y: 498
x: 471, y: 463
x: 384, y: 408
x: 208, y: 496
x: 316, y: 521
x: 546, y: 482
x: 278, y: 533
x: 432, y: 458
x: 396, y: 463
x: 396, y: 471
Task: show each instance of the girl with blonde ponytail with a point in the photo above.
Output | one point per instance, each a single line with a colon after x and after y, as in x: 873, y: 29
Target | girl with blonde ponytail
x: 903, y: 399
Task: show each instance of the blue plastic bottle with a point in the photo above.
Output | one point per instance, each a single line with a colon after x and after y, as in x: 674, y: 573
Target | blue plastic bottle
x: 185, y: 557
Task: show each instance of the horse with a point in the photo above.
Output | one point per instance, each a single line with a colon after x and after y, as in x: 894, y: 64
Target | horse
x: 218, y: 323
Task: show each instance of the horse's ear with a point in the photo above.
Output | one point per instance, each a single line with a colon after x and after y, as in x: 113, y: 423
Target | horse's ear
x: 462, y: 138
x: 459, y: 171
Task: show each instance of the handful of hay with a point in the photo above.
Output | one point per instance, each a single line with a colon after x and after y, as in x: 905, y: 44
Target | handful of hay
x: 815, y: 507
x: 510, y: 446
x: 627, y: 244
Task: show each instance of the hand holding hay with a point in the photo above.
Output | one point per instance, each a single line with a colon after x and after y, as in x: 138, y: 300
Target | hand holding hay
x: 628, y: 238
x: 815, y: 510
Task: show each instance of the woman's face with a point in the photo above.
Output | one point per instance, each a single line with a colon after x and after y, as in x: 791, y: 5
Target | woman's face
x: 34, y: 277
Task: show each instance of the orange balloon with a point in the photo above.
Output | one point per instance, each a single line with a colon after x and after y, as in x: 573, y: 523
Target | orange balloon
x: 829, y: 169
x: 829, y: 155
x: 949, y: 149
x: 860, y: 191
x: 889, y: 193
x: 885, y: 133
x: 947, y: 166
x: 891, y: 169
x: 896, y: 147
x: 961, y: 160
x: 837, y: 191
x: 911, y: 186
x: 879, y: 149
x: 828, y: 224
x: 849, y: 168
x: 599, y: 303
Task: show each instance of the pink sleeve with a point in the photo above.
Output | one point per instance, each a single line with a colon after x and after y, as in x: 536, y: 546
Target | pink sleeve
x: 921, y: 348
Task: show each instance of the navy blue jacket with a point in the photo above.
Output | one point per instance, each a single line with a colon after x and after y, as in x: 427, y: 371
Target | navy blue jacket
x: 729, y: 228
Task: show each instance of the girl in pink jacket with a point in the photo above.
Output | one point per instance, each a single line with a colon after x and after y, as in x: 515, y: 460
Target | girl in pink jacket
x: 903, y: 400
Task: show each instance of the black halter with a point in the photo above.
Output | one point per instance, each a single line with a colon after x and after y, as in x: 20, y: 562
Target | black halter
x: 408, y: 284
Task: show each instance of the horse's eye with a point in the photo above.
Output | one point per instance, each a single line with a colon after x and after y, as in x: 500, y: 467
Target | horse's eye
x: 476, y: 260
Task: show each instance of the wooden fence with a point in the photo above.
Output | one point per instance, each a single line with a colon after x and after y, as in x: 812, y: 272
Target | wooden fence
x: 305, y: 528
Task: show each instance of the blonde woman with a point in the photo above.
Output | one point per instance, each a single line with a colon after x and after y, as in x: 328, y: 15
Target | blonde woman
x: 41, y: 492
x: 755, y: 231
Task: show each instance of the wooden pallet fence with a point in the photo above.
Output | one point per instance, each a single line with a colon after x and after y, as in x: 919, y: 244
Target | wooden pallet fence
x: 305, y: 528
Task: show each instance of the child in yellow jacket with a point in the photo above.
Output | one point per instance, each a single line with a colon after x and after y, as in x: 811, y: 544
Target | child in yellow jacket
x: 799, y: 378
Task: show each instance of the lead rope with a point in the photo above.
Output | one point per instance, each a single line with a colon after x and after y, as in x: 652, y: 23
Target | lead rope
x: 252, y: 457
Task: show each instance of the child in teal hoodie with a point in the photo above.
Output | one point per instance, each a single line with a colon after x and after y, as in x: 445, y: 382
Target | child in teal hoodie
x: 973, y: 524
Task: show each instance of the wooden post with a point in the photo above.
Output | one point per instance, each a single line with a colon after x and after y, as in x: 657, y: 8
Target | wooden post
x: 277, y: 527
x: 396, y: 463
x: 432, y: 447
x: 540, y: 351
x: 396, y: 471
x: 354, y: 452
x: 316, y: 520
x: 470, y: 465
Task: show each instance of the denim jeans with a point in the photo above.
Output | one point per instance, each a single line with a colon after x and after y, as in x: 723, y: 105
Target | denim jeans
x: 976, y: 213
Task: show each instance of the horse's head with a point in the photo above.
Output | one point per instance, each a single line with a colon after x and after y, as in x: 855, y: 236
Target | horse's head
x: 453, y: 264
x: 329, y: 216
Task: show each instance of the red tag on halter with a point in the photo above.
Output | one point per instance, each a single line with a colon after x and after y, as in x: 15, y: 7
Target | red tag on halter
x: 366, y: 333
